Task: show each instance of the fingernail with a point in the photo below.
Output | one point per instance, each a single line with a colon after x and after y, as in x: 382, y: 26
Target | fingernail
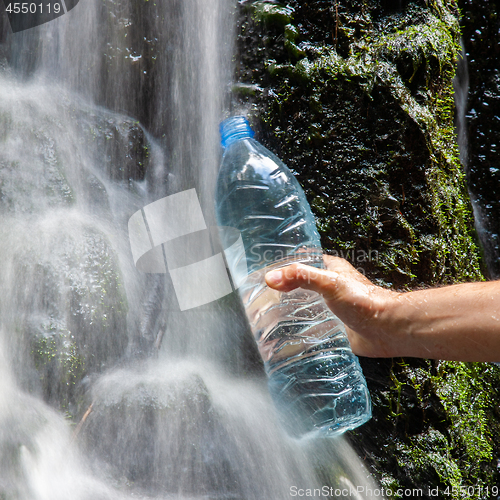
x: 274, y: 277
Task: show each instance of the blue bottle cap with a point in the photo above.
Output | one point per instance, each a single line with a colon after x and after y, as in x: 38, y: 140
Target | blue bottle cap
x: 234, y: 129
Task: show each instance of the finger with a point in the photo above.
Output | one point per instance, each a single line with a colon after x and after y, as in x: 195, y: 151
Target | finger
x: 301, y: 276
x: 336, y: 262
x: 344, y: 267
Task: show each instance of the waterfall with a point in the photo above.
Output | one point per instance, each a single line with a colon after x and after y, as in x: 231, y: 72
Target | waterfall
x: 107, y: 389
x: 482, y: 219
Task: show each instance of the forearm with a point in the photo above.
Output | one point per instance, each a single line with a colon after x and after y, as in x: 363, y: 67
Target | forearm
x: 459, y: 322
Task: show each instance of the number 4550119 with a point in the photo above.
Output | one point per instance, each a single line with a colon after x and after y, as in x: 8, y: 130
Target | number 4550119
x: 33, y: 8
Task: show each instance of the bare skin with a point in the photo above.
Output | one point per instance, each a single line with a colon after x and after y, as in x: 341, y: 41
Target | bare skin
x: 457, y: 322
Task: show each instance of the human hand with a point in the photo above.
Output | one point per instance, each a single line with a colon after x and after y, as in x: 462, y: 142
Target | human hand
x: 358, y: 303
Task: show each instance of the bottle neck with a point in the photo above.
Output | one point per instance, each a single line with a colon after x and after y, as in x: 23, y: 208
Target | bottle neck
x: 234, y: 129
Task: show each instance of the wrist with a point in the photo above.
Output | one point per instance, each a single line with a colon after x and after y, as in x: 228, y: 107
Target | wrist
x: 394, y: 324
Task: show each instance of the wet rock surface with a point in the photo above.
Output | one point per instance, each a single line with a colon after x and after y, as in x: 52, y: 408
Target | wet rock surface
x: 139, y: 419
x: 64, y: 306
x: 148, y: 423
x: 364, y: 118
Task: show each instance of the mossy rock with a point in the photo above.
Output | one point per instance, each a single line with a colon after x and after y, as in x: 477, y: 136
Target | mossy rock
x: 64, y: 307
x: 48, y: 151
x: 435, y: 425
x: 365, y: 120
x: 357, y: 98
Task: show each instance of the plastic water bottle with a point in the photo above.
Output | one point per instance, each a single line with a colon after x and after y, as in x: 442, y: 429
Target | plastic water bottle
x: 314, y: 378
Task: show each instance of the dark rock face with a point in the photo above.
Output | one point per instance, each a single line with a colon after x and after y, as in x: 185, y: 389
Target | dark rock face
x: 358, y: 101
x: 357, y: 98
x: 155, y: 423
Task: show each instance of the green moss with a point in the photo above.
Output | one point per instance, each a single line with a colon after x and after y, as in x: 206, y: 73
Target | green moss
x: 465, y: 390
x: 430, y: 453
x: 272, y: 14
x: 58, y: 362
x: 406, y: 69
x: 457, y: 457
x: 435, y: 425
x: 461, y: 455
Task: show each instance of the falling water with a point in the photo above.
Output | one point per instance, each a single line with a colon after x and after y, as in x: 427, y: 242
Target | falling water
x: 107, y: 389
x: 487, y: 238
